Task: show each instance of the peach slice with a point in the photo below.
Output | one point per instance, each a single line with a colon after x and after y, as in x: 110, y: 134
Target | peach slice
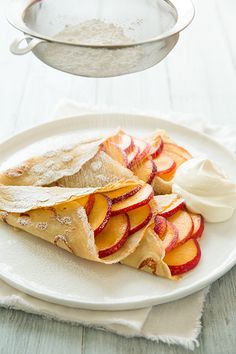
x: 89, y: 205
x: 165, y: 164
x: 145, y: 170
x: 144, y: 149
x: 123, y: 193
x: 177, y: 158
x: 165, y: 201
x: 115, y: 152
x: 157, y: 148
x: 178, y: 204
x: 160, y: 225
x: 183, y: 258
x: 100, y: 213
x: 168, y: 176
x: 133, y: 156
x: 83, y: 201
x: 125, y: 142
x: 198, y: 225
x: 142, y: 197
x: 87, y: 202
x: 171, y: 147
x: 113, y: 236
x: 184, y: 224
x: 139, y: 218
x: 170, y: 238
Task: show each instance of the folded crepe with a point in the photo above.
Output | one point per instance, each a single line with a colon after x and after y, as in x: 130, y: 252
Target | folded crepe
x: 78, y: 166
x: 57, y: 215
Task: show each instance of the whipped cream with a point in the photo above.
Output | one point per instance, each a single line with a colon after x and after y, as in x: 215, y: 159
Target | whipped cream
x: 206, y: 189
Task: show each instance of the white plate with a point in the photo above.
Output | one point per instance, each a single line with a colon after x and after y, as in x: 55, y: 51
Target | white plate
x: 46, y: 272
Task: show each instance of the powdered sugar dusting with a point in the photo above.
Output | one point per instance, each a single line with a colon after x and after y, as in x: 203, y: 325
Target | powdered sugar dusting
x: 38, y: 169
x: 64, y: 220
x: 96, y: 165
x: 67, y: 158
x: 16, y: 172
x: 94, y: 32
x: 3, y: 214
x: 23, y: 220
x: 42, y: 226
x: 97, y: 62
x: 50, y: 153
x: 103, y: 178
x: 68, y: 147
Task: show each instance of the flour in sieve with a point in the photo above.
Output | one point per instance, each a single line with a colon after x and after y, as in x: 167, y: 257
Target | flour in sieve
x: 95, y: 62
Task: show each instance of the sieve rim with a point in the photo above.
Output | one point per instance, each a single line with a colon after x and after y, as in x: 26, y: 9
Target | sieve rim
x: 184, y: 9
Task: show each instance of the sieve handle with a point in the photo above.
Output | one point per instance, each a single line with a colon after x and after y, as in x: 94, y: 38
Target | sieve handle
x: 31, y: 43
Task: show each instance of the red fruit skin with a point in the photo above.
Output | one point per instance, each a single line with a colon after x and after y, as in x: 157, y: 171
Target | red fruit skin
x: 142, y: 153
x: 174, y: 240
x: 129, y: 148
x: 132, y: 162
x: 132, y: 207
x: 161, y: 229
x: 140, y: 226
x: 180, y: 269
x: 118, y: 245
x: 188, y: 235
x: 89, y: 205
x: 198, y: 233
x: 126, y: 195
x: 153, y: 174
x: 160, y: 225
x: 158, y: 149
x: 161, y: 170
x: 170, y: 212
x: 106, y: 219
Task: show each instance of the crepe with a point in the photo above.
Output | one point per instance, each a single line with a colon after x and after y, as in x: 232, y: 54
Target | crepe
x: 76, y: 166
x: 56, y: 215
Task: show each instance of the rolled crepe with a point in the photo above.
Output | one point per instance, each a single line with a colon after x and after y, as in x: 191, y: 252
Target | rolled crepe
x: 78, y: 166
x: 54, y: 214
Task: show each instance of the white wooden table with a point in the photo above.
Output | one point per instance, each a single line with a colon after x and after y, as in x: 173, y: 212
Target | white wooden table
x: 198, y: 77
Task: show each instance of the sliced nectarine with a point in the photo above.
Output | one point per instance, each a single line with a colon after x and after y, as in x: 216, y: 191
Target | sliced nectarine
x: 113, y: 236
x: 165, y: 201
x: 178, y: 204
x: 198, y: 225
x: 124, y: 141
x: 83, y: 201
x: 170, y: 238
x: 145, y: 170
x: 168, y: 176
x: 160, y: 225
x: 123, y: 193
x: 142, y: 197
x: 177, y: 149
x: 115, y: 152
x: 143, y: 149
x: 177, y: 158
x: 100, y: 213
x: 139, y: 218
x: 183, y: 258
x: 165, y: 164
x: 156, y: 147
x: 184, y: 224
x: 87, y: 203
x: 133, y: 156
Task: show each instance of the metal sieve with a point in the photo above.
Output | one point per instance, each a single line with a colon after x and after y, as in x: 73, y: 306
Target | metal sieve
x: 151, y: 27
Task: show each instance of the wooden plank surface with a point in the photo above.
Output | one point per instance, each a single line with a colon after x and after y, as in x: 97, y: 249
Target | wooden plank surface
x: 198, y: 77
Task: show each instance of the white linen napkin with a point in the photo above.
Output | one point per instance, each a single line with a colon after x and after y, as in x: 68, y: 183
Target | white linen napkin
x: 178, y: 322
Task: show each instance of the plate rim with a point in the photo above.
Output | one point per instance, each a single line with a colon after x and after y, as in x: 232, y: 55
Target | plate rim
x: 120, y: 304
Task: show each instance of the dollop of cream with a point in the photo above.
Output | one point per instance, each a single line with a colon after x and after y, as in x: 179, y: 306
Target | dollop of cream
x: 206, y: 189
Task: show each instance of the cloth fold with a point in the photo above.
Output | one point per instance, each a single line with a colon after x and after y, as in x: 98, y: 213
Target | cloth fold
x: 178, y: 322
